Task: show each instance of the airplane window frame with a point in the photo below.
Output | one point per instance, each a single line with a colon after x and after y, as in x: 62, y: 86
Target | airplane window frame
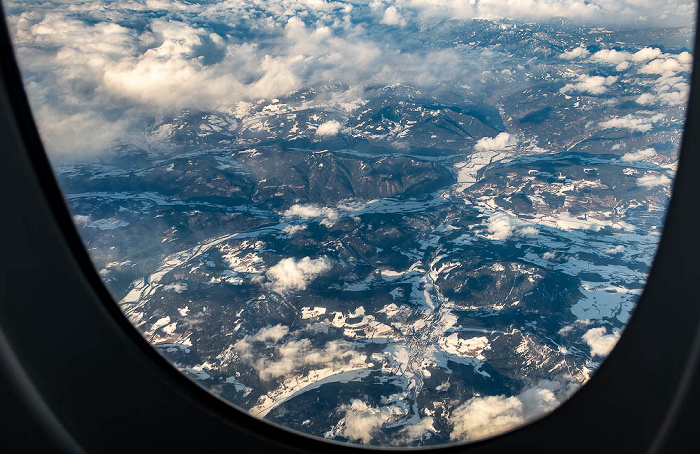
x: 82, y: 365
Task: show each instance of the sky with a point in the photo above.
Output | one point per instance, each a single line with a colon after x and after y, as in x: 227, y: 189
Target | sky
x: 95, y: 70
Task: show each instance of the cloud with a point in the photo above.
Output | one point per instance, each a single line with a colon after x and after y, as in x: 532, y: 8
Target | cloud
x: 599, y: 341
x: 329, y: 128
x: 651, y: 181
x: 662, y: 64
x: 485, y: 416
x: 500, y: 226
x: 611, y: 56
x: 632, y: 122
x: 668, y: 89
x: 419, y: 429
x: 308, y: 211
x: 173, y: 74
x: 664, y: 67
x: 648, y: 53
x: 246, y: 348
x: 528, y: 231
x: 292, y: 229
x: 565, y: 330
x: 297, y: 355
x: 271, y: 333
x: 671, y: 98
x: 615, y: 249
x: 481, y: 417
x: 685, y: 58
x: 92, y: 81
x: 97, y: 71
x: 81, y: 220
x: 647, y: 99
x: 575, y: 53
x: 639, y: 155
x: 502, y: 141
x: 622, y: 66
x: 594, y: 85
x: 361, y: 421
x: 289, y: 274
x: 313, y: 211
x: 320, y: 4
x: 392, y: 16
x: 631, y: 12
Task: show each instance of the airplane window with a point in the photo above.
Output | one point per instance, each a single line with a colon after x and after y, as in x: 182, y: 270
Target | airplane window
x: 388, y: 223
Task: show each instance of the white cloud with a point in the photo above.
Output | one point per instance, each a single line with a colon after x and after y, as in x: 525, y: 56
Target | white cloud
x: 678, y: 83
x: 685, y: 58
x: 599, y: 341
x: 95, y: 70
x: 500, y: 226
x: 329, y: 128
x: 611, y: 56
x: 622, y: 66
x: 565, y: 330
x: 271, y: 333
x: 632, y: 122
x: 670, y: 89
x: 651, y: 180
x: 594, y: 85
x: 647, y: 99
x: 549, y: 255
x: 575, y: 53
x: 306, y: 211
x: 501, y: 141
x: 292, y: 229
x: 329, y: 215
x: 639, y: 155
x: 289, y: 274
x: 319, y: 4
x: 648, y: 53
x: 81, y: 220
x: 296, y: 355
x: 636, y: 12
x: 91, y: 80
x: 663, y: 67
x: 376, y: 5
x: 528, y: 231
x: 615, y: 249
x: 419, y: 429
x: 670, y: 98
x: 361, y: 421
x: 246, y: 348
x: 481, y: 417
x: 392, y: 16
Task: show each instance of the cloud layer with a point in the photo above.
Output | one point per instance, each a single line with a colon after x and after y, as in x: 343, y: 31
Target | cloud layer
x: 96, y: 70
x: 587, y: 11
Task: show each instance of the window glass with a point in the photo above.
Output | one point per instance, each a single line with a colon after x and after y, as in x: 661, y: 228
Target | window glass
x: 389, y: 223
